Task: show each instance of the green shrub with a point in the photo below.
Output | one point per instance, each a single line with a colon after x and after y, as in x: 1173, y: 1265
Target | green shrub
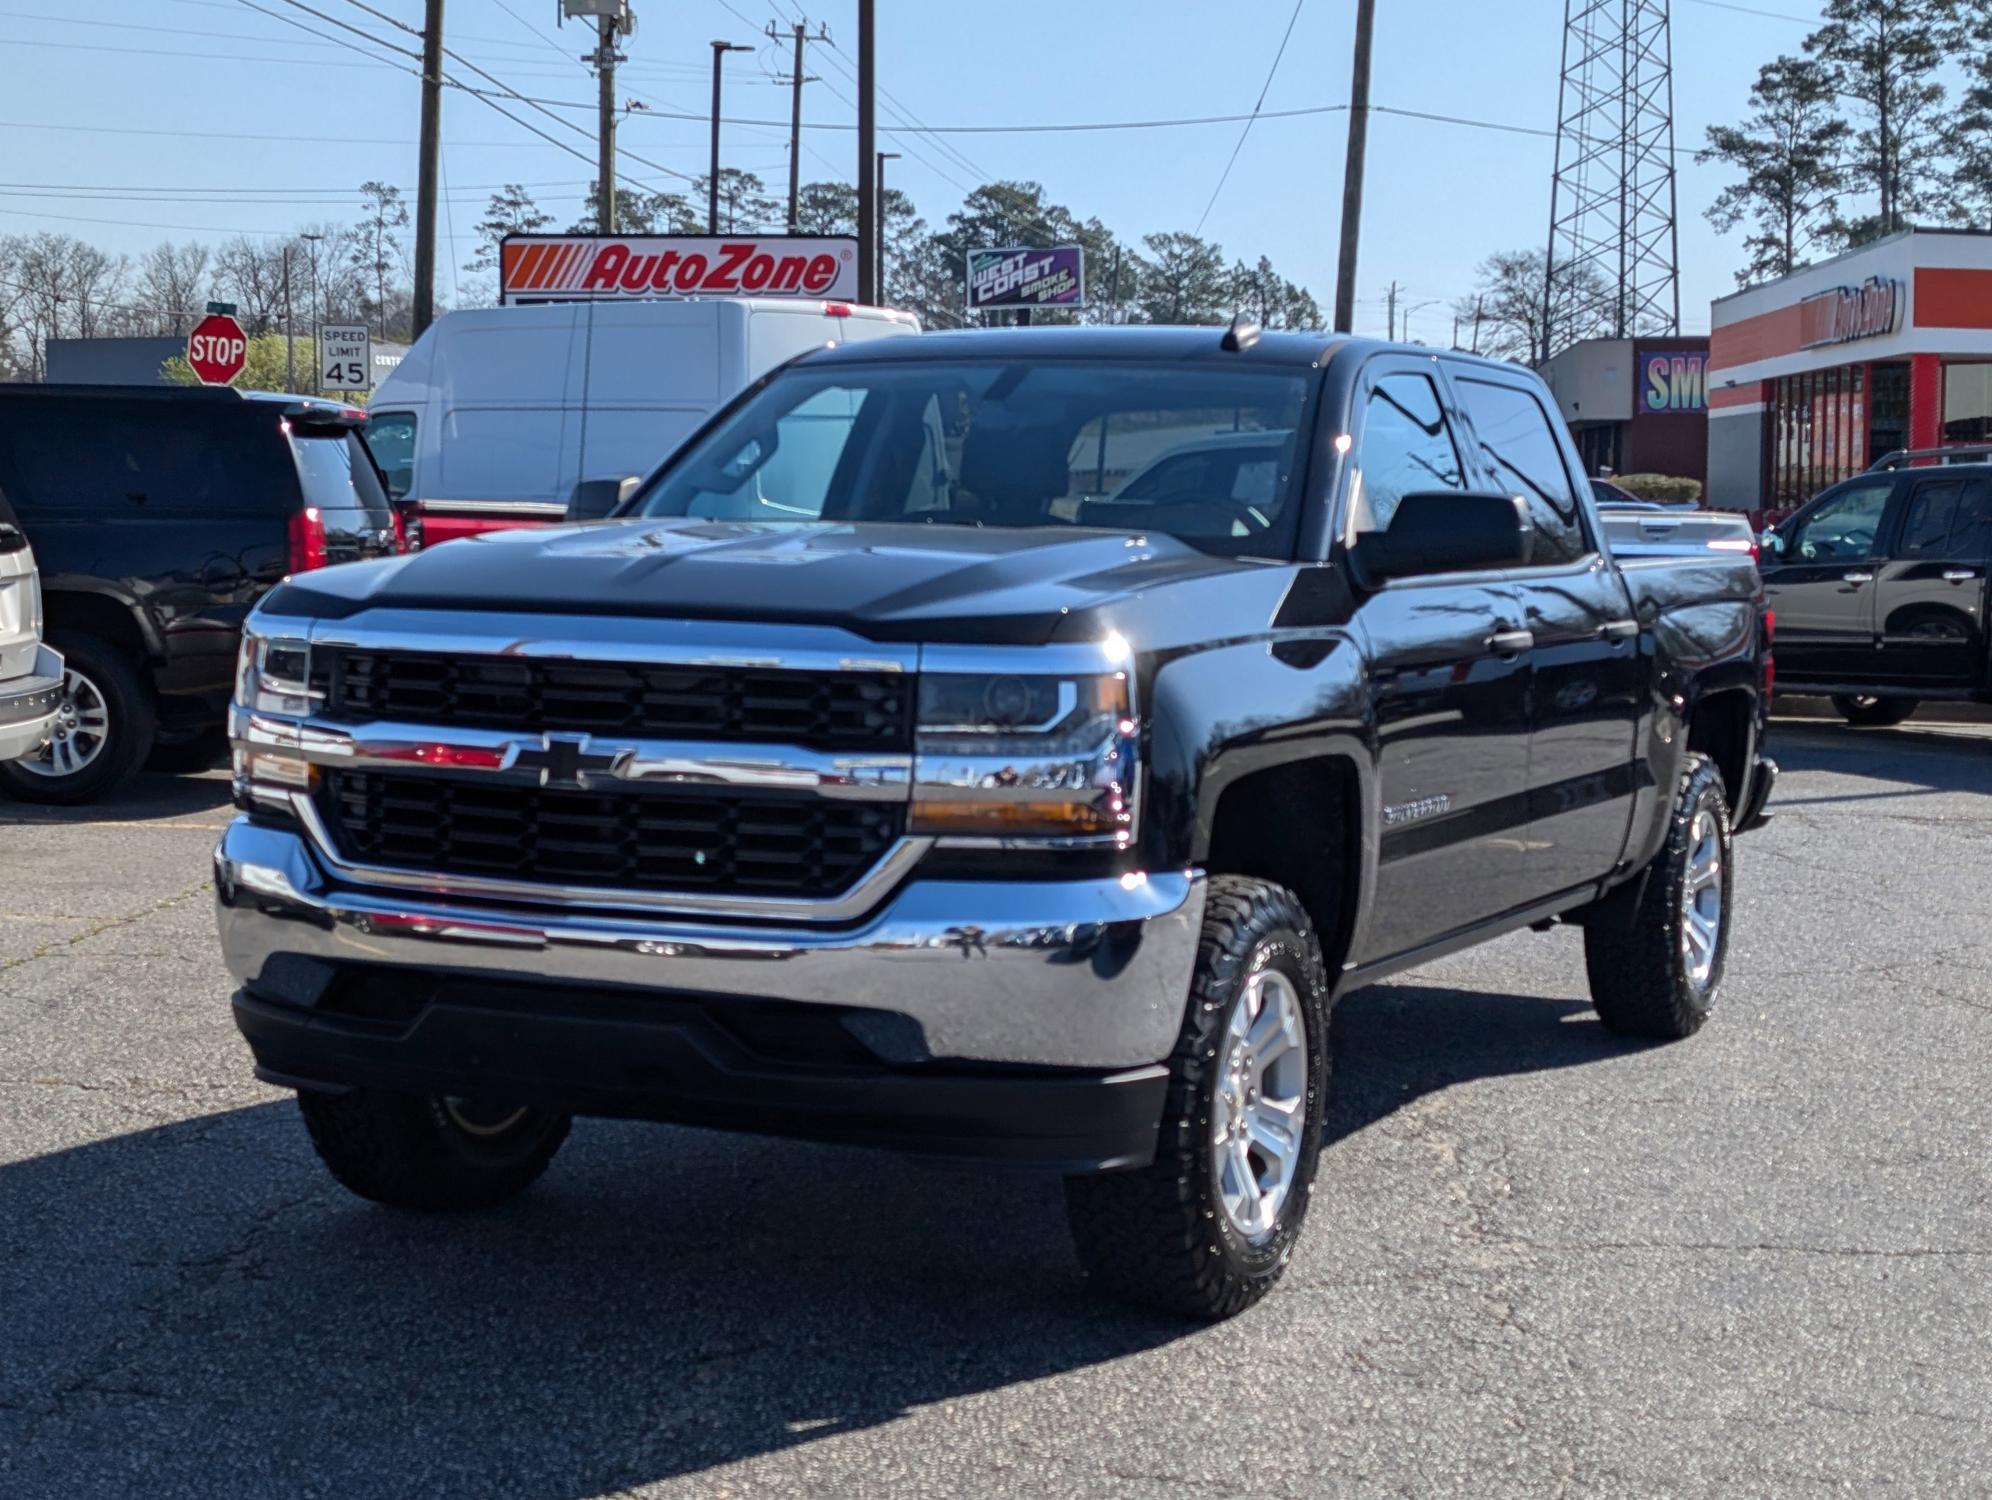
x: 1659, y: 486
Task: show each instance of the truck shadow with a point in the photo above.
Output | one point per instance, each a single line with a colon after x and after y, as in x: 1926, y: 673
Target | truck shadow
x: 149, y: 795
x: 1395, y: 1043
x: 195, y: 1307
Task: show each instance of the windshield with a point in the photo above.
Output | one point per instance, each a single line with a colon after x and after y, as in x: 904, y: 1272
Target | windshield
x: 391, y: 437
x: 1198, y: 452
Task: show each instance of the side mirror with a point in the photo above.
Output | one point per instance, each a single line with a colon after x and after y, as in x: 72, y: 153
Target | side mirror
x: 595, y: 498
x: 1447, y: 532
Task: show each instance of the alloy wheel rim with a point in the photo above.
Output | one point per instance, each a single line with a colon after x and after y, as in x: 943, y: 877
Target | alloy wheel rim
x: 81, y: 730
x: 1260, y: 1111
x: 483, y: 1120
x: 1701, y: 899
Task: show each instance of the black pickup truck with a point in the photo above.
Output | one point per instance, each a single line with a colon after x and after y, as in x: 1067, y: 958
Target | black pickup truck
x: 999, y: 745
x: 1879, y: 586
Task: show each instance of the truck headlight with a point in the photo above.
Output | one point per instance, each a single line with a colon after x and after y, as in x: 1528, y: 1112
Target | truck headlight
x: 1028, y: 754
x: 273, y: 677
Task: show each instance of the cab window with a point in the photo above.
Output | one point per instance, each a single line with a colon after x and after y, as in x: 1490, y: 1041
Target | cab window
x: 1842, y: 527
x: 1407, y: 449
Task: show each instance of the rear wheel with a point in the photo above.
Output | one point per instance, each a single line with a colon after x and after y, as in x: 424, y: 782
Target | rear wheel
x: 1873, y: 713
x: 1655, y: 947
x: 103, y: 730
x: 1209, y: 1227
x: 430, y: 1153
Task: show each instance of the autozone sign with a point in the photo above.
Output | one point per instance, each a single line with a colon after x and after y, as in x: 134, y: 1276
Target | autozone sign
x: 1847, y: 313
x: 582, y: 267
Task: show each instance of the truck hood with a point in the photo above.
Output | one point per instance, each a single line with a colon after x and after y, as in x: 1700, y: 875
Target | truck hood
x: 886, y: 581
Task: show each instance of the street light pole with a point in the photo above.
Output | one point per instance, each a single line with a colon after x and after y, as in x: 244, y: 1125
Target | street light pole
x: 317, y: 313
x: 719, y: 51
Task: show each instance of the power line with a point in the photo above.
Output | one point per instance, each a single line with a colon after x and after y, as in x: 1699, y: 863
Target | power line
x: 366, y: 36
x: 1252, y: 119
x: 513, y: 93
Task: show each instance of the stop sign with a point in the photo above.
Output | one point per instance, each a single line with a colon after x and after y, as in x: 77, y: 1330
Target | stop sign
x: 217, y: 349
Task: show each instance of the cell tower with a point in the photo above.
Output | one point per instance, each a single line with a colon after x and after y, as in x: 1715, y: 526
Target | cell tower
x: 1613, y: 246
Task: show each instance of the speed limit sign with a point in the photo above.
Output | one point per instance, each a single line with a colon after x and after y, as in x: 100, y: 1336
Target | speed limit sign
x: 345, y: 357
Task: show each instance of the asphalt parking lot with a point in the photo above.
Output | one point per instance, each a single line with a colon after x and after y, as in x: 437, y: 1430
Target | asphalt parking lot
x: 1540, y: 1260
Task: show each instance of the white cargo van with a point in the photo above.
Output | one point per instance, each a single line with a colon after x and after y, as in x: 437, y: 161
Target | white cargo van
x: 497, y: 413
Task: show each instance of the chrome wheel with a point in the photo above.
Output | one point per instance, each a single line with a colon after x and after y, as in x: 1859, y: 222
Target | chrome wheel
x: 473, y: 1117
x: 1701, y: 898
x: 1261, y: 1105
x: 81, y: 730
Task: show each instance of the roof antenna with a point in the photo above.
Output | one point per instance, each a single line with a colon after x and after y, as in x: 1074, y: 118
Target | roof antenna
x: 1241, y: 335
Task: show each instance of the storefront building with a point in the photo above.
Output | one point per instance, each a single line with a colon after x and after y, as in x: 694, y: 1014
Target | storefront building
x: 1635, y: 406
x: 1814, y: 376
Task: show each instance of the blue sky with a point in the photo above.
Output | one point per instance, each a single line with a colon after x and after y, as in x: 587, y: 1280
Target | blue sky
x: 172, y: 111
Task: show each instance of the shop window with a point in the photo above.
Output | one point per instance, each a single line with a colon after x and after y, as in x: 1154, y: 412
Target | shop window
x: 1968, y: 403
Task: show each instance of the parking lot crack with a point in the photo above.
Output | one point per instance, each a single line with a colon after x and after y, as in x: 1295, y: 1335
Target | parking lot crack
x: 99, y: 928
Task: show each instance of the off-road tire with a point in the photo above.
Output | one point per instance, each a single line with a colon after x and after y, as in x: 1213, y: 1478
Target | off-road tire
x: 1873, y: 713
x: 406, y: 1150
x: 131, y: 722
x: 1641, y: 981
x: 1157, y: 1236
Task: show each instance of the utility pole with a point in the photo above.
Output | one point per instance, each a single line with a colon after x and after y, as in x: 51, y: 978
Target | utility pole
x: 317, y: 314
x: 605, y: 124
x: 1476, y: 322
x: 290, y: 330
x: 1393, y: 312
x: 1352, y: 171
x: 795, y: 118
x: 883, y: 158
x: 719, y: 51
x: 867, y: 151
x: 423, y: 313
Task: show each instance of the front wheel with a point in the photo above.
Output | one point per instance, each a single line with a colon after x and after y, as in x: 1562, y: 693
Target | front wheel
x: 1209, y: 1227
x: 1654, y: 948
x: 1873, y: 713
x: 103, y: 729
x: 430, y: 1153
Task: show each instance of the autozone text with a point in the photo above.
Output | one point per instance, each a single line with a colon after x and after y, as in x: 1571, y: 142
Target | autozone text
x: 734, y: 268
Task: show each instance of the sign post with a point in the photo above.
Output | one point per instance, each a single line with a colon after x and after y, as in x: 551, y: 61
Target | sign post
x: 345, y: 357
x: 217, y: 349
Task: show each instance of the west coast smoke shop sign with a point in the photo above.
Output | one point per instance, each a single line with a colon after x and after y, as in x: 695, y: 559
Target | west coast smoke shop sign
x: 645, y: 267
x: 1054, y: 277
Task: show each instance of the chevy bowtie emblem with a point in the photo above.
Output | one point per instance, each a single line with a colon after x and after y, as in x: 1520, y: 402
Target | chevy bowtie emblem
x: 567, y: 760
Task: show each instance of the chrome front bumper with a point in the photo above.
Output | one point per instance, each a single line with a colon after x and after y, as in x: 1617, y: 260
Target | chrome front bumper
x: 1083, y: 974
x: 28, y: 706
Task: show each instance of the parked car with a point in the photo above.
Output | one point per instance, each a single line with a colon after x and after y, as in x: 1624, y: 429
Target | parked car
x: 30, y: 672
x: 1879, y: 584
x: 968, y: 817
x: 497, y: 413
x: 159, y: 516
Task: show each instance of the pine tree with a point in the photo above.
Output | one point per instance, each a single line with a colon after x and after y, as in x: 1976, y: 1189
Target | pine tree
x: 1791, y: 152
x: 510, y: 211
x: 1882, y: 56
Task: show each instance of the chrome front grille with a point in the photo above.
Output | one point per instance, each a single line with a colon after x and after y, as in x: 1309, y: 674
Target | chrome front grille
x: 639, y: 840
x: 841, y: 710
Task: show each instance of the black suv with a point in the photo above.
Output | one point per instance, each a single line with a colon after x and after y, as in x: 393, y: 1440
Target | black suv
x: 1880, y: 586
x: 159, y: 516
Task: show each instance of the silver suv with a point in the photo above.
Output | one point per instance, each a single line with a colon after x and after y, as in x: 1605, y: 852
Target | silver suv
x: 30, y: 673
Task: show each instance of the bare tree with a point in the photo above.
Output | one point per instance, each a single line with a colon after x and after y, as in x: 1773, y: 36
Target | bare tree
x: 1507, y: 308
x: 62, y: 288
x: 376, y: 242
x: 250, y: 273
x: 173, y: 283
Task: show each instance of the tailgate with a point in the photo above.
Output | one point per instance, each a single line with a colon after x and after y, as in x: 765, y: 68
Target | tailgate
x: 20, y: 604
